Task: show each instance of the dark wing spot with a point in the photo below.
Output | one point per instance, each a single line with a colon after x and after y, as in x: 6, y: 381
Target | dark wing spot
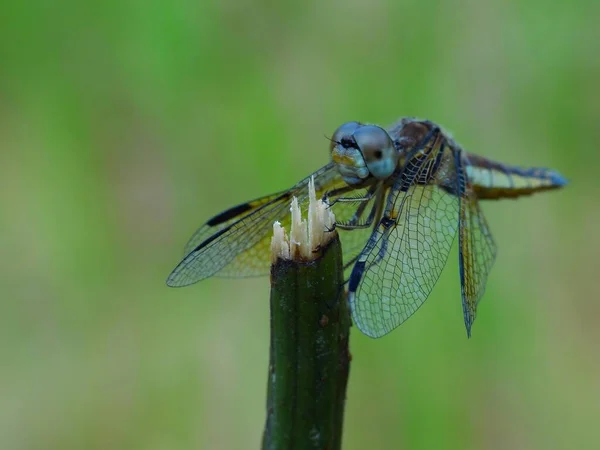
x: 356, y: 276
x: 239, y: 210
x: 229, y: 214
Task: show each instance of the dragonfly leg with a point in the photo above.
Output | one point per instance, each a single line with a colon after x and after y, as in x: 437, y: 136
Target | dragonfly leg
x: 354, y: 223
x: 374, y: 215
x: 338, y: 191
x: 366, y: 198
x: 344, y: 190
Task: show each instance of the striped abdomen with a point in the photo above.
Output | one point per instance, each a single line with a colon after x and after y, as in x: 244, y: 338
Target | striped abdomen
x: 493, y: 180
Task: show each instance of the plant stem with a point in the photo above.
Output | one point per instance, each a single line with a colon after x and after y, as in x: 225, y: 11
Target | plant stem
x: 309, y: 360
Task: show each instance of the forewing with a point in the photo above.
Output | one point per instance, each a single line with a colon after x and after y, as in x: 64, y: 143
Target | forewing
x: 404, y: 257
x: 241, y: 246
x: 256, y: 260
x: 477, y: 252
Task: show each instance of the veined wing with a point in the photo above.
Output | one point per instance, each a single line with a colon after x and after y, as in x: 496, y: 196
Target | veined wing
x: 239, y: 245
x: 477, y: 250
x: 256, y: 261
x: 406, y: 253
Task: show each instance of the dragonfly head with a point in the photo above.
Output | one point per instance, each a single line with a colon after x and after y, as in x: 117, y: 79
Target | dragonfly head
x: 360, y: 151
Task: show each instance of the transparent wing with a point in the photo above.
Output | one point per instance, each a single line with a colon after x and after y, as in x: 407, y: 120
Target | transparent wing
x: 256, y: 261
x: 240, y: 244
x: 477, y: 252
x: 403, y: 259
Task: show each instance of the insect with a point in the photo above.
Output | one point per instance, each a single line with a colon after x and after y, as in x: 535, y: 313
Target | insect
x: 400, y: 196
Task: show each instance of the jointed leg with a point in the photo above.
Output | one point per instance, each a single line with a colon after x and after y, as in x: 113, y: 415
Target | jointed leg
x: 354, y: 222
x: 344, y: 190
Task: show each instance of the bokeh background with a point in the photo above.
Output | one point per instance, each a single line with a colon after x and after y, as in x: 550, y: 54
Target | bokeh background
x: 124, y: 125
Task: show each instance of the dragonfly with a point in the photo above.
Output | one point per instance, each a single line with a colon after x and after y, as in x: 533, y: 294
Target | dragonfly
x: 400, y: 196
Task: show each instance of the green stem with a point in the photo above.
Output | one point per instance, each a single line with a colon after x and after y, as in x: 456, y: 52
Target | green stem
x: 309, y: 359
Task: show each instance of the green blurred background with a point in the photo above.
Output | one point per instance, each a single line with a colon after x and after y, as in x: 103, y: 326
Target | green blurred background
x: 126, y: 124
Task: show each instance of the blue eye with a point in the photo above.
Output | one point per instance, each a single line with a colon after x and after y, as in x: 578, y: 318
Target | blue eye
x: 343, y: 135
x: 377, y: 149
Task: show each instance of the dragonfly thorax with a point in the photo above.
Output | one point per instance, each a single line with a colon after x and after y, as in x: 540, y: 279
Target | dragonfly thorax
x: 361, y: 151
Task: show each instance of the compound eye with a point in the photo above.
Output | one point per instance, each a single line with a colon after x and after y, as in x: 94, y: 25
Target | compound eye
x: 377, y: 149
x: 343, y: 134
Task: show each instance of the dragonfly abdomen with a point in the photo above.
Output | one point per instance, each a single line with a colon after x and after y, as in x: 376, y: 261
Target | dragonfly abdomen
x: 493, y: 180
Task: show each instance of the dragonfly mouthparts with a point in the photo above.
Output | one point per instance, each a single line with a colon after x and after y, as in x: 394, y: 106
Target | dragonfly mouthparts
x: 350, y: 164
